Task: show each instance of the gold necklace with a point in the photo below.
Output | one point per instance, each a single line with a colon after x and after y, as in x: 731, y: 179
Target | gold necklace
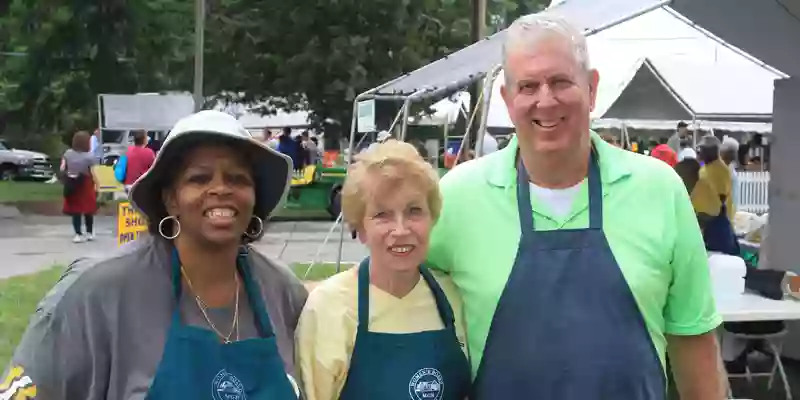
x: 202, y: 305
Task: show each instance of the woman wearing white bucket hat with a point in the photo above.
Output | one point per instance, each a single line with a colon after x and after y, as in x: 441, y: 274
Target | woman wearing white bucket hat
x: 163, y: 319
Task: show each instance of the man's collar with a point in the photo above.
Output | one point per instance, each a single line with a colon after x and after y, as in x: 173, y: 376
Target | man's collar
x: 503, y: 172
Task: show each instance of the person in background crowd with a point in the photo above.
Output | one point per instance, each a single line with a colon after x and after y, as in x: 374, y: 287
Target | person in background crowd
x: 716, y: 208
x: 154, y: 141
x: 140, y: 158
x: 271, y: 139
x: 527, y: 234
x: 682, y: 133
x: 367, y: 332
x: 315, y: 145
x: 190, y: 311
x: 717, y: 171
x: 689, y: 171
x: 664, y: 153
x: 311, y: 148
x: 97, y: 146
x: 302, y: 153
x: 729, y: 153
x: 288, y: 146
x: 80, y: 194
x: 686, y: 150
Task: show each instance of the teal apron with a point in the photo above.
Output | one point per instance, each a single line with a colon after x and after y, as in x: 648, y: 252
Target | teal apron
x: 195, y: 365
x: 417, y: 366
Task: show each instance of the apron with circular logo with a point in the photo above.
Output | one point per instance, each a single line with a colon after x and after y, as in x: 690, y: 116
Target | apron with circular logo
x: 426, y: 365
x: 195, y: 365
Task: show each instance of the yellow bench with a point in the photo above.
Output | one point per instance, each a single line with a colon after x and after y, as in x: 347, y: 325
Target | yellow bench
x: 305, y: 177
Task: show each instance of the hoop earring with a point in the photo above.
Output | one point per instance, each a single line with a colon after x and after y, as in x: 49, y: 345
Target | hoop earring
x: 177, y: 226
x: 254, y: 235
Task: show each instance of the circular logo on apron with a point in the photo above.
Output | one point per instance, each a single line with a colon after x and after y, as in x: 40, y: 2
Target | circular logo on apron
x: 426, y: 384
x: 227, y: 387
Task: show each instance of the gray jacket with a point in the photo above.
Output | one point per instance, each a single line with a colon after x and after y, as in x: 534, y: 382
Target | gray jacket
x: 100, y: 332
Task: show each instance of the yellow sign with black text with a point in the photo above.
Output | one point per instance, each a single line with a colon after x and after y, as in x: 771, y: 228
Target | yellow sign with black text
x: 130, y: 224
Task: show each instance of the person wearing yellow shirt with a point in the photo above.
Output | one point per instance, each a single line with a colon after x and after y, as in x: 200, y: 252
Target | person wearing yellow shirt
x: 388, y: 329
x: 715, y: 204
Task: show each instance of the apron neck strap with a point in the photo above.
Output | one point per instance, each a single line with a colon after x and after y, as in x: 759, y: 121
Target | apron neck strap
x: 595, y: 195
x: 254, y: 298
x: 442, y: 305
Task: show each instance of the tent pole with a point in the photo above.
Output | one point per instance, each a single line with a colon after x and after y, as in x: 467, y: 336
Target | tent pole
x: 351, y: 145
x: 466, y: 133
x: 406, y: 109
x: 488, y: 89
x: 396, y: 120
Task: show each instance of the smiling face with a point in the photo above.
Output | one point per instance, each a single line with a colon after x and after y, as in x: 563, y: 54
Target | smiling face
x: 212, y: 196
x: 549, y: 95
x: 397, y: 223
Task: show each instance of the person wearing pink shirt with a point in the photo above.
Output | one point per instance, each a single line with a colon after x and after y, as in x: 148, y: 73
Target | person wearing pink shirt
x: 140, y: 158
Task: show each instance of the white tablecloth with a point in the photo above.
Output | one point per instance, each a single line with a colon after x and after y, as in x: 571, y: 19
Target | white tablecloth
x: 748, y: 307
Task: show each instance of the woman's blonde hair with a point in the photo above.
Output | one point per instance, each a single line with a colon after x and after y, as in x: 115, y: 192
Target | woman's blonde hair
x: 394, y: 163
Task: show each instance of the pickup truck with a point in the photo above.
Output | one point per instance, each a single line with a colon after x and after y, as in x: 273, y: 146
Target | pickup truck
x: 16, y: 163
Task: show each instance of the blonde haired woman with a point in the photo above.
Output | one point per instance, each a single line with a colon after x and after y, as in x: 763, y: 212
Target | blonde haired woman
x: 388, y: 329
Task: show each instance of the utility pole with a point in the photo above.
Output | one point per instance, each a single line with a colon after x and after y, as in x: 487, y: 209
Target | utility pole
x: 478, y: 32
x: 199, y: 39
x: 478, y: 25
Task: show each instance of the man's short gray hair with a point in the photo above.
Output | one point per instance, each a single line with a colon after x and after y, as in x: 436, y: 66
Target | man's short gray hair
x: 529, y: 30
x: 710, y: 141
x: 729, y: 144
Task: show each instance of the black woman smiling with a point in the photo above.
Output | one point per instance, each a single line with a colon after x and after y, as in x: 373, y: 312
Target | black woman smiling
x: 191, y: 311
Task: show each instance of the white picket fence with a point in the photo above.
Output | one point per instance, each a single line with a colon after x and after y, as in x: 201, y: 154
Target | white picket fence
x: 753, y: 192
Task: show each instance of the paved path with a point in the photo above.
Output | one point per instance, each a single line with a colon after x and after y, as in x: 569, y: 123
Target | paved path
x: 30, y: 243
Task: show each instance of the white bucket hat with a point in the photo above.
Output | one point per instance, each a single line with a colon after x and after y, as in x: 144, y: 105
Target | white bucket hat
x: 272, y: 173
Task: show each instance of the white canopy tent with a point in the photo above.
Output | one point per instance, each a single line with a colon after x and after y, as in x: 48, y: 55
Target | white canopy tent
x: 672, y: 71
x: 617, y: 76
x: 252, y: 119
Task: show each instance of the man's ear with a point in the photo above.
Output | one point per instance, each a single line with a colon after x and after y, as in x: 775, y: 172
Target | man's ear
x: 594, y: 81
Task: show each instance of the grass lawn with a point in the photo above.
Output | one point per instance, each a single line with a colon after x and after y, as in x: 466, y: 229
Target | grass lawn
x: 12, y: 192
x: 321, y: 271
x: 20, y: 295
x: 18, y: 299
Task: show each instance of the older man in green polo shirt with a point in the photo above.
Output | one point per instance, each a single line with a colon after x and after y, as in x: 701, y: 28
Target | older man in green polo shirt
x: 581, y: 264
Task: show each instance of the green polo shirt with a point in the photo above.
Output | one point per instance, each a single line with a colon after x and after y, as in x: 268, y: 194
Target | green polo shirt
x: 648, y: 220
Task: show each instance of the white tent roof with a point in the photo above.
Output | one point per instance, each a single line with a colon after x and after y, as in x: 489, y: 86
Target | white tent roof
x: 252, y: 119
x: 764, y: 28
x: 616, y: 75
x: 703, y: 76
x: 711, y: 77
x: 279, y: 120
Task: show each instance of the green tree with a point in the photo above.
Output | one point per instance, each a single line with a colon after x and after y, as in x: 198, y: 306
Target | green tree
x: 58, y: 56
x: 321, y: 54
